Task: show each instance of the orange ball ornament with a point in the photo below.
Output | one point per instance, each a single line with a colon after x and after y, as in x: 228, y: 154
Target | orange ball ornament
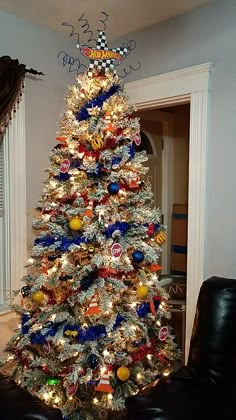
x: 38, y: 296
x: 123, y: 373
x: 142, y: 292
x: 75, y: 224
x: 160, y: 238
x: 97, y: 143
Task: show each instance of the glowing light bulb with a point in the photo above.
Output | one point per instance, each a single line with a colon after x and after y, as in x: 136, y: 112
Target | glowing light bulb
x: 57, y: 399
x: 139, y: 376
x: 110, y: 396
x: 46, y: 396
x: 53, y: 317
x: 95, y: 401
x: 106, y: 352
x: 133, y: 304
x: 149, y: 357
x: 158, y: 323
x: 166, y: 372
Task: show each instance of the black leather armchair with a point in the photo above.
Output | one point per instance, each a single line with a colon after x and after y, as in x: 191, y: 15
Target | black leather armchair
x: 205, y: 389
x: 18, y: 404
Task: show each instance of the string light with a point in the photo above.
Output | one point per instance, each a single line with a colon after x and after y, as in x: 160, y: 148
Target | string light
x: 95, y: 401
x: 110, y: 396
x: 139, y: 376
x: 149, y: 357
x: 166, y: 372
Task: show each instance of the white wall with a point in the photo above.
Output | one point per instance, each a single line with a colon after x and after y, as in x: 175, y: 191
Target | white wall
x: 37, y: 47
x: 206, y: 34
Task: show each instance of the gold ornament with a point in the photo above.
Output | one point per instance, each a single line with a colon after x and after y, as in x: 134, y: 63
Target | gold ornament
x: 97, y: 143
x: 38, y: 296
x: 71, y: 333
x: 81, y: 177
x: 160, y: 238
x: 61, y: 294
x: 142, y: 292
x: 123, y: 373
x: 75, y: 224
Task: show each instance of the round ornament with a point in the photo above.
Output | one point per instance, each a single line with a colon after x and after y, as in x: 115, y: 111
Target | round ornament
x: 137, y: 139
x: 53, y: 257
x: 160, y: 238
x: 47, y: 347
x: 142, y: 292
x: 71, y: 389
x: 75, y: 224
x: 38, y: 296
x: 138, y: 256
x: 93, y: 361
x: 163, y: 333
x: 116, y: 250
x: 86, y: 282
x: 64, y: 166
x: 97, y: 143
x: 81, y: 177
x: 25, y: 291
x: 123, y: 373
x: 113, y: 188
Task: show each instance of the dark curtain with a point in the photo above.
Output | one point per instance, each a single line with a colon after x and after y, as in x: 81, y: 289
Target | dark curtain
x: 11, y: 83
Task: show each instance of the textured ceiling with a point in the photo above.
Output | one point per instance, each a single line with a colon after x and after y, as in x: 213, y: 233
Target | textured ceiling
x: 125, y: 16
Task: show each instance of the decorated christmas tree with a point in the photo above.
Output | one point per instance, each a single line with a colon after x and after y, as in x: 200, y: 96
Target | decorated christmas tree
x: 94, y: 312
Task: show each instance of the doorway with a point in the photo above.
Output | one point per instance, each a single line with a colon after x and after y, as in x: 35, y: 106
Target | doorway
x: 178, y: 87
x: 174, y: 259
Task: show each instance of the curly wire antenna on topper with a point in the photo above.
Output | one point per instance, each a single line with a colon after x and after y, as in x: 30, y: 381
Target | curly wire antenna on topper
x: 130, y: 69
x: 106, y: 16
x: 73, y: 33
x: 74, y: 64
x: 86, y: 28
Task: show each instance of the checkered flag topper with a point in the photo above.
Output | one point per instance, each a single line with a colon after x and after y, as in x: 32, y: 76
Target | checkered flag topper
x: 101, y: 57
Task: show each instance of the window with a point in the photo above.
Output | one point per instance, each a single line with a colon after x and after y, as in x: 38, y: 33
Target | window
x: 12, y: 206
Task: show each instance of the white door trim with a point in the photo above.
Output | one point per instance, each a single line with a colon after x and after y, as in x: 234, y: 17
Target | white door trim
x: 187, y: 85
x: 15, y: 199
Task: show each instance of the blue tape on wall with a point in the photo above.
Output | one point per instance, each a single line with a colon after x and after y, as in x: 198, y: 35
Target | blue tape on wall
x: 178, y: 249
x: 179, y: 216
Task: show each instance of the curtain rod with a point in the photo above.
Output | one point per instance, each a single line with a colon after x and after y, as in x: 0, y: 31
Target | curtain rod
x: 35, y: 72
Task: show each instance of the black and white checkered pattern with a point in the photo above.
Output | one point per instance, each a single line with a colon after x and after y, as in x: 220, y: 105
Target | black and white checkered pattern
x: 104, y: 64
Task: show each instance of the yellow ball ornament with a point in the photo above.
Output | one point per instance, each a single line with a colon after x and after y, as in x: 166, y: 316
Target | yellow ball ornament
x: 97, y: 143
x: 123, y: 373
x: 160, y: 238
x: 38, y: 296
x: 75, y: 223
x: 142, y: 292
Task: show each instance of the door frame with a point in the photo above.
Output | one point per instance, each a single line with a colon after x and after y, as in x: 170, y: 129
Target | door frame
x: 192, y: 85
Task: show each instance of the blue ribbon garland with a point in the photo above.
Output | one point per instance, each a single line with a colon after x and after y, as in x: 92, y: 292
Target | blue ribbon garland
x: 63, y: 243
x: 92, y: 333
x: 83, y: 114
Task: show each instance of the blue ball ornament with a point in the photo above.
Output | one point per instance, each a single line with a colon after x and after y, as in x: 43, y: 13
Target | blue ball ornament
x: 86, y: 282
x: 137, y: 256
x: 25, y: 291
x: 93, y: 361
x: 113, y: 188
